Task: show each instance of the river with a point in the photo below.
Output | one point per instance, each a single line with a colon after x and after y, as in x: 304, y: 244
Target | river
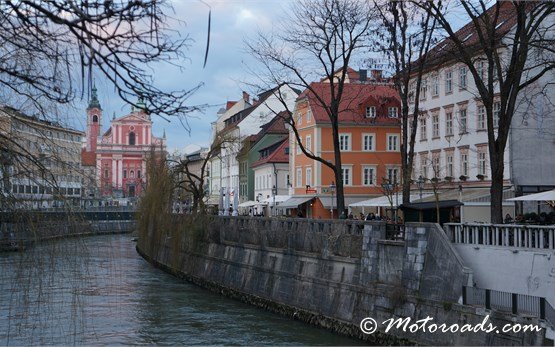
x: 98, y: 291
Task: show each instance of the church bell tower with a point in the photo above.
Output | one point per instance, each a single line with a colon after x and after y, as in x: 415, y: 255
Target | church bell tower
x: 94, y: 116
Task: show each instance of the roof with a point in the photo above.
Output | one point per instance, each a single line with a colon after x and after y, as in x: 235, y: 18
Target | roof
x: 88, y: 158
x: 446, y: 50
x: 13, y: 112
x: 353, y: 99
x: 352, y: 74
x: 277, y: 153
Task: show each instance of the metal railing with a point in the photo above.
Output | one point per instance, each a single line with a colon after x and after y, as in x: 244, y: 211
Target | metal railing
x: 505, y: 235
x: 509, y: 302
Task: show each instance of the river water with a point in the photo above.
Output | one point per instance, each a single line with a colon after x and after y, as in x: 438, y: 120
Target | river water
x: 99, y: 291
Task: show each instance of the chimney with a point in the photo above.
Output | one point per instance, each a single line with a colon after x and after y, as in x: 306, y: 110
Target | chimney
x: 363, y: 75
x: 376, y: 75
x: 246, y: 96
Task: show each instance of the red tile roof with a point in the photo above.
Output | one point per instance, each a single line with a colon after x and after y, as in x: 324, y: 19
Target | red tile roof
x: 88, y: 158
x: 277, y: 156
x: 356, y: 97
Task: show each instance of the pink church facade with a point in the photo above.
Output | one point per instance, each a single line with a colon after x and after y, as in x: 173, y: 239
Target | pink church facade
x: 119, y: 155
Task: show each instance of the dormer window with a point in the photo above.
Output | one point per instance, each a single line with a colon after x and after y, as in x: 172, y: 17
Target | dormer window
x: 392, y: 112
x: 371, y: 112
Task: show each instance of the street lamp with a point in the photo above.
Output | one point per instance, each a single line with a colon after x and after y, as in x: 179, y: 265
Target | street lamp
x: 332, y: 190
x: 274, y: 192
x: 420, y: 185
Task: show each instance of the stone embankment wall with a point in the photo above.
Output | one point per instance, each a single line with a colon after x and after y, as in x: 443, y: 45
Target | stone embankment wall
x: 329, y: 273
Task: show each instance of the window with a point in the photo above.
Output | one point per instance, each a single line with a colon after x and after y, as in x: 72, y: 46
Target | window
x: 344, y: 142
x: 423, y: 88
x: 368, y: 175
x: 449, y: 160
x: 412, y: 89
x: 435, y: 125
x: 139, y: 174
x: 423, y: 166
x: 435, y: 85
x: 496, y: 113
x: 482, y: 163
x: 448, y: 81
x: 392, y: 143
x: 95, y: 119
x: 436, y: 166
x: 308, y: 115
x: 299, y: 151
x: 393, y: 175
x: 480, y: 68
x: 124, y: 173
x: 299, y: 179
x: 308, y: 143
x: 423, y: 134
x: 299, y: 119
x: 448, y: 123
x: 308, y: 176
x: 481, y: 117
x: 392, y: 112
x: 368, y: 142
x: 346, y: 172
x: 105, y: 173
x: 131, y: 139
x: 462, y: 77
x: 464, y: 164
x: 371, y: 112
x: 462, y: 122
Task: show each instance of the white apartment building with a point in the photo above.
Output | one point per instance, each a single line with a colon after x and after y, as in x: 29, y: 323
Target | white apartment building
x: 451, y: 137
x: 245, y: 123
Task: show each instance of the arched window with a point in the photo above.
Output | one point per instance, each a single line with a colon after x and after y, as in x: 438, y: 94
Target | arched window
x: 132, y: 174
x: 132, y: 139
x: 95, y: 119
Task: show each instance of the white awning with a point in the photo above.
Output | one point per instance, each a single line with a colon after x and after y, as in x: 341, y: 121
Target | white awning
x: 248, y: 204
x: 278, y: 199
x: 383, y: 201
x: 349, y: 200
x: 294, y: 202
x: 543, y: 196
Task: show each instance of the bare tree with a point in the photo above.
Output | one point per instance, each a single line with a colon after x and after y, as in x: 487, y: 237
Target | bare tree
x: 319, y: 39
x: 192, y: 173
x: 510, y: 47
x: 45, y: 43
x: 404, y: 35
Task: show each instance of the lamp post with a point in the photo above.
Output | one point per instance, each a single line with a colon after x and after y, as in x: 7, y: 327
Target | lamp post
x: 332, y: 190
x: 420, y: 185
x: 388, y: 189
x: 274, y: 192
x: 460, y: 199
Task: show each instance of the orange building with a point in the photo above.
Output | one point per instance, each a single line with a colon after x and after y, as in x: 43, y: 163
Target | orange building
x: 370, y: 140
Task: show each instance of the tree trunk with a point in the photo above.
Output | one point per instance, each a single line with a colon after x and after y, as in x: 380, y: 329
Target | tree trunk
x: 496, y: 190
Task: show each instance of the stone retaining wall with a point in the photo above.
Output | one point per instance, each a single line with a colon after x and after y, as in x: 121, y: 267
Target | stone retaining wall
x: 332, y: 274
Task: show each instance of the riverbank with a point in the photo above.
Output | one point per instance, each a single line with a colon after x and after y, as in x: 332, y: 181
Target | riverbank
x: 331, y: 274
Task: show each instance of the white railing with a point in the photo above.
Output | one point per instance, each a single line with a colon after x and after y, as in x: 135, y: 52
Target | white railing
x: 504, y: 235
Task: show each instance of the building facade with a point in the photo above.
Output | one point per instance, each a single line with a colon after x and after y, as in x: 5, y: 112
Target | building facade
x: 119, y: 156
x: 369, y: 136
x: 40, y: 162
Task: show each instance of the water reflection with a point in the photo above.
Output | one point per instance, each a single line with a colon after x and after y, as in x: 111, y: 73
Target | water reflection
x: 97, y: 290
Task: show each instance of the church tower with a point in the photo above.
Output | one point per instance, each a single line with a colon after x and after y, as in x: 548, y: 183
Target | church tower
x: 94, y: 116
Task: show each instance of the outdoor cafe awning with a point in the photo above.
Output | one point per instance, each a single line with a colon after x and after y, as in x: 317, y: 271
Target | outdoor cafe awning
x: 383, y: 201
x: 543, y: 196
x: 294, y: 202
x: 278, y: 199
x: 349, y: 200
x: 248, y: 204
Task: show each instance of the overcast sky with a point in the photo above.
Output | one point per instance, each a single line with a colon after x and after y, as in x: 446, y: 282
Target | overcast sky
x: 226, y: 71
